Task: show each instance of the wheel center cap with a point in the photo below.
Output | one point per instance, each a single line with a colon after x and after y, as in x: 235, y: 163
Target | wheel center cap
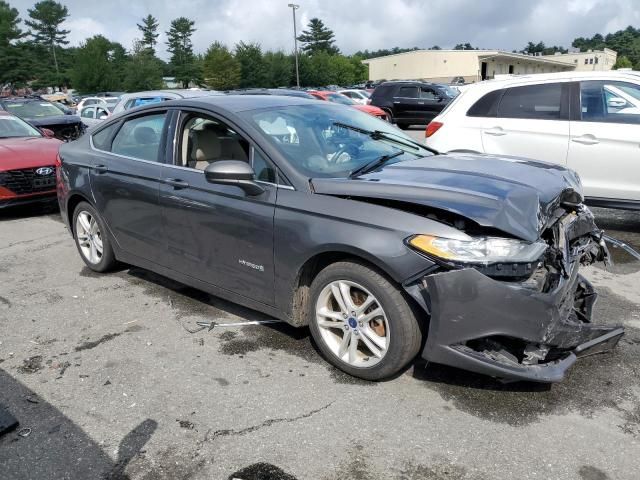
x: 352, y: 322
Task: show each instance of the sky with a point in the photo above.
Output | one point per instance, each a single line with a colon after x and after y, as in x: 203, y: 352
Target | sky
x: 357, y: 24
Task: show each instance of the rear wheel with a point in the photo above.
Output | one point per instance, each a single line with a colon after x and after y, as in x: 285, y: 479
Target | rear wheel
x: 403, y: 126
x: 362, y: 323
x: 91, y: 239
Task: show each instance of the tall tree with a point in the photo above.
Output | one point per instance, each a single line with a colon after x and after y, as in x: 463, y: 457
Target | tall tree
x: 9, y: 24
x: 96, y: 65
x: 278, y: 69
x: 149, y: 30
x: 221, y: 70
x: 144, y: 72
x: 46, y: 18
x: 179, y: 44
x: 252, y: 66
x: 463, y: 46
x: 318, y: 38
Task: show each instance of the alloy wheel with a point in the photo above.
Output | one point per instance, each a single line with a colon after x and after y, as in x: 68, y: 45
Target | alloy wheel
x: 352, y: 323
x: 89, y: 237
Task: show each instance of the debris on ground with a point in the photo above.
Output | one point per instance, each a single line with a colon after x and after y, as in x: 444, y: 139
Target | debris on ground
x: 31, y: 365
x: 211, y: 325
x: 186, y: 424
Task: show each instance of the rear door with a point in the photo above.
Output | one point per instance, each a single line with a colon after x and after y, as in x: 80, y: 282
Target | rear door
x: 430, y: 103
x: 405, y: 103
x: 217, y: 233
x: 605, y: 139
x: 532, y: 121
x: 125, y: 178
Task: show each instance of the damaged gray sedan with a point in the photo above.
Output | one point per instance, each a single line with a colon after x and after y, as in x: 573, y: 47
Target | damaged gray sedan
x: 324, y: 216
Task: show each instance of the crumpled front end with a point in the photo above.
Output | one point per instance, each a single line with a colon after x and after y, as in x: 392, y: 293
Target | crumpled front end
x: 520, y: 322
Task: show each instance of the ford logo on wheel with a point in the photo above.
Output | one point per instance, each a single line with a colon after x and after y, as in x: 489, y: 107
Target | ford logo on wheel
x: 44, y: 171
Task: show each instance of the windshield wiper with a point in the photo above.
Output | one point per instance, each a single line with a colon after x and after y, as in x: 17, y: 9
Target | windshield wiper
x: 390, y: 137
x: 368, y: 167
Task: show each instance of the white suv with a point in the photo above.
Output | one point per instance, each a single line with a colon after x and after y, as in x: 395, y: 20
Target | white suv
x: 587, y: 121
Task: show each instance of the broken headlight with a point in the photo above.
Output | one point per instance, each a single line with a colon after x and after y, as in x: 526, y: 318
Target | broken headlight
x: 479, y: 250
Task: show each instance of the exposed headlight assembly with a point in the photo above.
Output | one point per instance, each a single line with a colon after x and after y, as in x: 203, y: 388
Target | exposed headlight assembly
x: 479, y: 250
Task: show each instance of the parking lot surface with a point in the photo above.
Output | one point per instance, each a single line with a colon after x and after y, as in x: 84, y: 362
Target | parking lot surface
x: 104, y: 373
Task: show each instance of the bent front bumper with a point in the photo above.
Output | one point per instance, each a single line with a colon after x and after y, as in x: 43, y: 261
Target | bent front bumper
x: 510, y: 331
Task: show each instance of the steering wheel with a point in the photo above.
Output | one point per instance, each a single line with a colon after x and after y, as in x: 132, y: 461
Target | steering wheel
x: 348, y: 149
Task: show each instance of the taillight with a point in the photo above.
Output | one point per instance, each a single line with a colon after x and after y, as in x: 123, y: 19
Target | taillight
x: 58, y: 161
x: 432, y: 128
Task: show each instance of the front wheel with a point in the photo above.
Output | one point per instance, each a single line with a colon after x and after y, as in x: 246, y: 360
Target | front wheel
x: 361, y: 322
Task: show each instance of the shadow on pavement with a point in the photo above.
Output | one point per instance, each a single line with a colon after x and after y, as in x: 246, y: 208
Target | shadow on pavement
x: 49, y: 207
x: 56, y: 447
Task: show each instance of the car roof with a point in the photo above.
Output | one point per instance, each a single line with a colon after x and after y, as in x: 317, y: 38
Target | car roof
x: 241, y: 103
x: 177, y: 92
x: 546, y: 77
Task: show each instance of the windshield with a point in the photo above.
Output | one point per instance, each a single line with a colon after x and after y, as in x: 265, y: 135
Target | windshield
x: 447, y: 91
x: 339, y: 98
x: 315, y: 140
x: 12, y: 127
x: 32, y: 109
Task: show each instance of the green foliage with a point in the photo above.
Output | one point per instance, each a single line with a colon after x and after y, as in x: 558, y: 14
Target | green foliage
x: 540, y: 47
x: 252, y: 67
x: 9, y: 24
x: 221, y: 70
x: 144, y: 71
x: 279, y: 69
x: 149, y: 30
x: 318, y: 38
x: 183, y: 61
x: 626, y: 42
x: 384, y: 52
x: 622, y: 62
x: 464, y: 46
x: 99, y: 64
x: 46, y: 18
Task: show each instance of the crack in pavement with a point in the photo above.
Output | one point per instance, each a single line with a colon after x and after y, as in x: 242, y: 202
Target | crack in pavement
x: 267, y: 423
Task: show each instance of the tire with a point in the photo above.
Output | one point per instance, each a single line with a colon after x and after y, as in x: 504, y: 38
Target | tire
x: 86, y: 244
x: 395, y: 333
x: 389, y: 115
x: 403, y: 126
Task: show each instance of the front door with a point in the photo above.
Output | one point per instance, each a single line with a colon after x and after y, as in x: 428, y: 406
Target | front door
x: 217, y: 233
x: 405, y: 103
x: 125, y: 178
x: 605, y: 140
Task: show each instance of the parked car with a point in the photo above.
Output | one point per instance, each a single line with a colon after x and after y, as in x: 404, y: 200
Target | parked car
x: 358, y: 96
x: 92, y: 115
x: 132, y: 100
x: 411, y: 102
x: 335, y: 97
x: 43, y: 114
x: 373, y: 240
x: 27, y: 162
x: 574, y: 119
x: 107, y: 102
x: 288, y: 92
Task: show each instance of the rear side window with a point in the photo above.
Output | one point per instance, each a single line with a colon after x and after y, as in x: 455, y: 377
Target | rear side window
x: 102, y: 139
x: 487, y: 106
x: 408, y: 92
x: 541, y: 102
x: 140, y: 137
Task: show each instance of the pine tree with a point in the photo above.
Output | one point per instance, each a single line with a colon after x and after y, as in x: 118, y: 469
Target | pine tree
x: 318, y: 38
x: 221, y: 70
x: 46, y: 17
x: 179, y: 44
x: 9, y: 24
x: 149, y: 30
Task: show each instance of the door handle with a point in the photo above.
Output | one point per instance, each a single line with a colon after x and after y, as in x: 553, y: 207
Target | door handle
x: 420, y: 103
x: 586, y: 140
x: 101, y: 168
x: 176, y: 183
x: 495, y: 131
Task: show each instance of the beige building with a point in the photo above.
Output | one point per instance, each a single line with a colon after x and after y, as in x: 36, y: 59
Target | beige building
x: 476, y: 65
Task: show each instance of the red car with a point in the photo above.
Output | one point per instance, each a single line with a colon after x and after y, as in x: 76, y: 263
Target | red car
x: 344, y: 100
x: 27, y: 162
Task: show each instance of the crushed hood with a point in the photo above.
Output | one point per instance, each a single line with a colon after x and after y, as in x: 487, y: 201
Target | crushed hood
x: 27, y: 152
x: 511, y: 194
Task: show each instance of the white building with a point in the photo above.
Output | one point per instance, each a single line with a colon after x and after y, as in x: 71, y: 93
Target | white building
x: 476, y: 65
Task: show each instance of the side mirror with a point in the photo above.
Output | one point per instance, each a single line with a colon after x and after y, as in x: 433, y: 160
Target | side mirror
x: 616, y: 102
x: 47, y: 133
x: 233, y: 172
x: 103, y: 117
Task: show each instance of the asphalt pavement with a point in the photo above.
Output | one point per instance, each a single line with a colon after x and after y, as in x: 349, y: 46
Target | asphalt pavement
x: 108, y: 382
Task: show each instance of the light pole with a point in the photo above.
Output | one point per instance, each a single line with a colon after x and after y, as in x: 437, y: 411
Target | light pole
x: 294, y: 7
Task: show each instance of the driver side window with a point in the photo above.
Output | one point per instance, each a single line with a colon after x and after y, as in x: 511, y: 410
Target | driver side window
x: 204, y: 140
